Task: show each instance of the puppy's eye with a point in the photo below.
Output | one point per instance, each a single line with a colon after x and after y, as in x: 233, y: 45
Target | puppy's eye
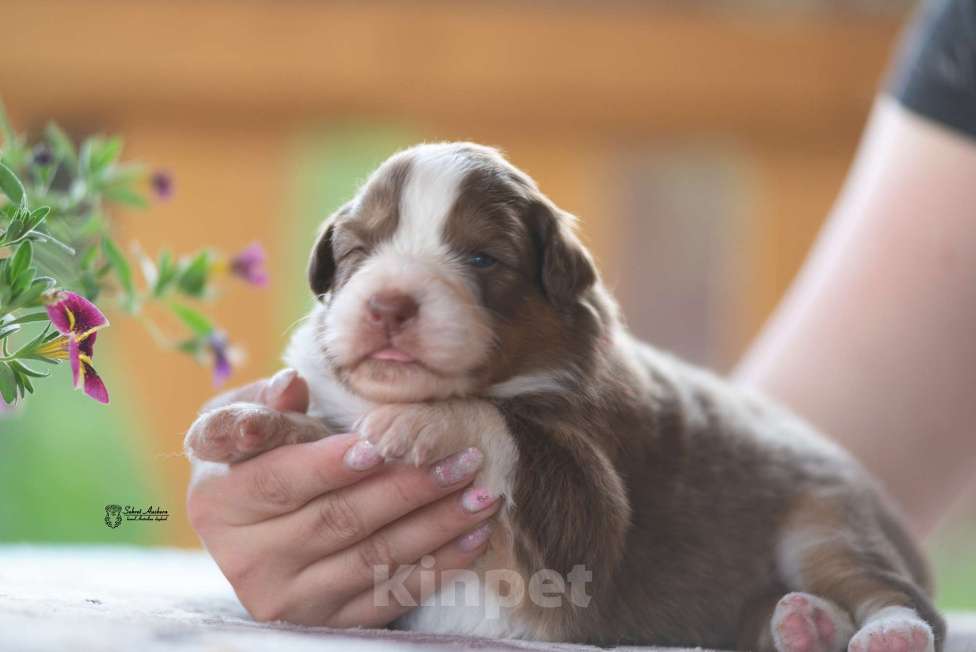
x: 481, y: 261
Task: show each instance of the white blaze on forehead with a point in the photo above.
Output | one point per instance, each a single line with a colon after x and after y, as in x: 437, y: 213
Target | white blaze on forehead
x: 432, y: 186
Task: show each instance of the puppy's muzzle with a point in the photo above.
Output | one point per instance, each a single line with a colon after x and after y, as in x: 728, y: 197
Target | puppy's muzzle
x: 391, y: 311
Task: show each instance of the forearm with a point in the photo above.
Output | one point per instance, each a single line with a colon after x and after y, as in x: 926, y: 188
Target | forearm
x: 876, y: 341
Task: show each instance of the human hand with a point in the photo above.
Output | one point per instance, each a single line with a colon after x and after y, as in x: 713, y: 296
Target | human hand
x: 300, y: 530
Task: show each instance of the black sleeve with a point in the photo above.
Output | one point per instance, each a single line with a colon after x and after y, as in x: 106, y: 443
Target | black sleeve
x: 934, y: 73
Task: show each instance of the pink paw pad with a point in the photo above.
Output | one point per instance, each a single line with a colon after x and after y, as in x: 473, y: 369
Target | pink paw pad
x: 895, y: 634
x: 806, y: 623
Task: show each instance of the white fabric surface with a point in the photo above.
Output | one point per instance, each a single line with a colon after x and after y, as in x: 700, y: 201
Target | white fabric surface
x: 89, y: 598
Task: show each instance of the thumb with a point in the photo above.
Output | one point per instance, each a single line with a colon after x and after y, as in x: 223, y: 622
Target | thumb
x: 286, y: 392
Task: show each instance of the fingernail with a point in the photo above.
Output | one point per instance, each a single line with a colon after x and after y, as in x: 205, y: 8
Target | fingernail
x: 279, y: 382
x: 457, y: 467
x: 476, y: 499
x: 362, y: 456
x: 476, y: 538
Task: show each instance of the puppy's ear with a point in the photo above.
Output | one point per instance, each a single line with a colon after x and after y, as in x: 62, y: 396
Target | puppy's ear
x: 321, y: 264
x: 566, y: 268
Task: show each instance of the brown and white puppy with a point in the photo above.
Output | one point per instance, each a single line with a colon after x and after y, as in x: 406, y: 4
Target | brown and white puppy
x: 457, y: 308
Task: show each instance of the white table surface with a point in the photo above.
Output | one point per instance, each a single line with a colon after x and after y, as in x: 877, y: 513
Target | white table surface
x: 94, y: 598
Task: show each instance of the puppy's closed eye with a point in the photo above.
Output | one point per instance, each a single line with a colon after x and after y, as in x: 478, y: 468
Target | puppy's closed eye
x: 352, y: 254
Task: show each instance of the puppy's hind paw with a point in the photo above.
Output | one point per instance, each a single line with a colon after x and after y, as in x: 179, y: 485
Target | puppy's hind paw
x: 894, y: 629
x: 805, y: 623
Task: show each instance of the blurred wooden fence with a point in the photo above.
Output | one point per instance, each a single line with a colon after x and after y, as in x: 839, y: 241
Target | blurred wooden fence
x: 220, y: 91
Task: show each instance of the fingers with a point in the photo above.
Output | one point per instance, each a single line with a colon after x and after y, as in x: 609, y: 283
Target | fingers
x: 334, y: 522
x: 456, y: 534
x: 286, y: 478
x: 410, y: 585
x: 401, y: 542
x: 248, y: 393
x: 285, y: 391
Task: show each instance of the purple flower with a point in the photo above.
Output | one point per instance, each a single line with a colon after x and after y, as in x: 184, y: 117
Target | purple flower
x: 162, y: 184
x: 218, y: 345
x: 42, y: 155
x: 77, y: 319
x: 249, y: 265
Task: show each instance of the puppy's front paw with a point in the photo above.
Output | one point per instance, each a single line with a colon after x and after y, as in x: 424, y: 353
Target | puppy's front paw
x: 424, y: 433
x: 415, y: 433
x: 240, y: 431
x: 894, y: 629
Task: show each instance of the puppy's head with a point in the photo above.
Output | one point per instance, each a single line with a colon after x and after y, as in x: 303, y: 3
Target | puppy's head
x: 448, y: 274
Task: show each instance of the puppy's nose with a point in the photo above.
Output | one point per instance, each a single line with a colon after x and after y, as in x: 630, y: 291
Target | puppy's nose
x: 391, y: 310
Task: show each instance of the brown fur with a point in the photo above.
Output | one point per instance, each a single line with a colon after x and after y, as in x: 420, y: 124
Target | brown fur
x: 502, y: 213
x: 376, y: 219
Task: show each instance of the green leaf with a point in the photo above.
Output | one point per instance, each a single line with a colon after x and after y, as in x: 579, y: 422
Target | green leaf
x: 104, y: 152
x: 97, y: 156
x: 89, y: 285
x: 44, y: 237
x: 21, y: 282
x: 192, y: 346
x: 193, y: 277
x: 126, y: 196
x: 29, y: 350
x: 61, y: 145
x: 9, y: 137
x: 20, y: 262
x: 92, y: 227
x: 124, y: 174
x: 166, y: 273
x: 31, y: 296
x: 16, y: 229
x: 43, y: 176
x: 8, y: 383
x: 34, y: 316
x: 88, y: 258
x: 12, y: 187
x: 193, y: 320
x: 121, y: 266
x: 38, y: 215
x: 14, y: 152
x: 21, y: 368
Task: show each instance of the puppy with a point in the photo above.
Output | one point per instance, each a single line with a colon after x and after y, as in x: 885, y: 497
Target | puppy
x: 457, y: 308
